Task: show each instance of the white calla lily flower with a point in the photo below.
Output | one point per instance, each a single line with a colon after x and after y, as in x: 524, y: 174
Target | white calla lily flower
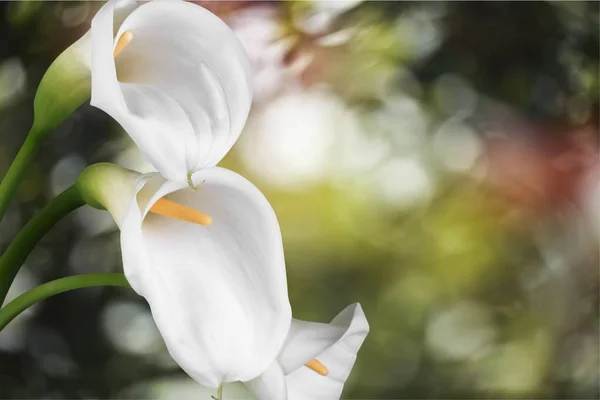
x: 315, y: 360
x: 171, y: 73
x: 217, y: 288
x: 175, y: 77
x: 214, y: 279
x: 215, y: 282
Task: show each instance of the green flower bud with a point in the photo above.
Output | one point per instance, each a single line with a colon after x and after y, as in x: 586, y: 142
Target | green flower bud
x: 107, y: 186
x: 65, y: 86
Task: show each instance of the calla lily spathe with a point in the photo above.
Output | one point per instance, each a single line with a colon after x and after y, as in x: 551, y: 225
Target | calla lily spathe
x: 170, y: 72
x: 334, y: 345
x: 181, y: 87
x: 218, y: 293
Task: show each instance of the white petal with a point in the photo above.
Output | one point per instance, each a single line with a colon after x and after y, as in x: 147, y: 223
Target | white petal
x: 335, y: 345
x: 218, y: 293
x: 270, y: 385
x: 105, y: 87
x: 183, y: 90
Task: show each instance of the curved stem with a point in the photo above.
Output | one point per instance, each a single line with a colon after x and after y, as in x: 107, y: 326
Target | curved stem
x: 32, y: 232
x: 39, y: 293
x: 13, y: 177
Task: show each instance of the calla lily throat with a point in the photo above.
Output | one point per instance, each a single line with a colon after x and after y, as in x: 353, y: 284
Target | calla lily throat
x: 123, y: 41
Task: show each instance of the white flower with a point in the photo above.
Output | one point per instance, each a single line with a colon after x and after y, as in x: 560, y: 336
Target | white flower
x: 315, y: 360
x: 216, y: 287
x: 173, y: 75
x: 217, y: 292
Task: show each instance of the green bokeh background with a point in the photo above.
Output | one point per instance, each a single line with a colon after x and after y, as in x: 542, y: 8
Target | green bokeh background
x: 435, y: 161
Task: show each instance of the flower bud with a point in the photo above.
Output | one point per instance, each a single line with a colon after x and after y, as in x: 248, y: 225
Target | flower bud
x: 65, y: 86
x: 107, y: 186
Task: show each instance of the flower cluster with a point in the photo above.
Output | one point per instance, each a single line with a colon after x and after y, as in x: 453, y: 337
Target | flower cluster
x: 199, y: 242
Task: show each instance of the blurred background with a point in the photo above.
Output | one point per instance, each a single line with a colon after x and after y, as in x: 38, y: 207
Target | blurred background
x: 435, y: 161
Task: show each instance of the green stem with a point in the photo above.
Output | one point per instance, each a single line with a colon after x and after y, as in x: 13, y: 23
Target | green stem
x: 220, y: 392
x: 39, y: 293
x: 13, y: 177
x: 32, y: 232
